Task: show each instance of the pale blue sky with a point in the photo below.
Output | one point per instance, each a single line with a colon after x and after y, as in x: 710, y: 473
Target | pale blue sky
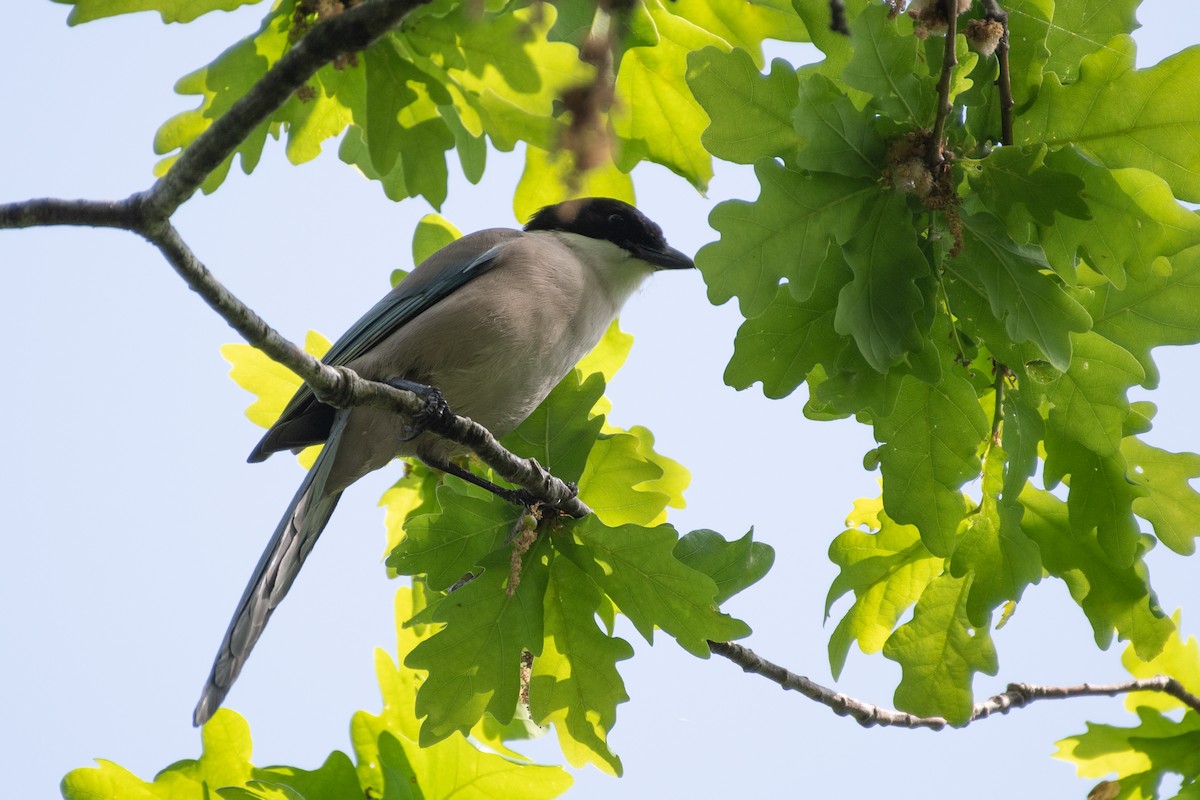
x: 133, y: 519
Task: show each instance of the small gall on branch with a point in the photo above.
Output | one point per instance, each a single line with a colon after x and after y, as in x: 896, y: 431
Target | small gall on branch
x: 983, y: 35
x: 930, y: 16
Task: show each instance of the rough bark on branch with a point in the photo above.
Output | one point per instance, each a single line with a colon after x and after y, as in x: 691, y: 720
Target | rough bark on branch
x: 1016, y: 695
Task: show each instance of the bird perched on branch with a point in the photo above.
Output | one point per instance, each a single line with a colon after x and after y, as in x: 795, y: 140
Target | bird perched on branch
x: 492, y: 322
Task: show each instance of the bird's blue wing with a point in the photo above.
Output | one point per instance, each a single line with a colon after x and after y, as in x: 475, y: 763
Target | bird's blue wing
x: 389, y: 314
x: 399, y: 307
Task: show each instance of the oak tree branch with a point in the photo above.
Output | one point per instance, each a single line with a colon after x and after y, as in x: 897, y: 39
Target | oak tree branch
x: 1016, y: 695
x: 993, y: 11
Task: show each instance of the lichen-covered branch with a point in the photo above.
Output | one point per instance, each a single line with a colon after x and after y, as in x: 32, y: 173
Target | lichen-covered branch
x: 1017, y: 695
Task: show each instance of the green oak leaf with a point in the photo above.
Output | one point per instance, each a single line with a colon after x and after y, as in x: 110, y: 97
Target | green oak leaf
x: 219, y: 84
x: 334, y: 779
x: 391, y: 763
x: 1089, y: 402
x: 353, y: 151
x: 453, y: 537
x: 575, y: 684
x: 433, y: 232
x: 784, y: 234
x: 402, y: 116
x: 836, y: 136
x: 1135, y: 220
x: 170, y: 10
x: 930, y: 445
x: 1179, y: 659
x: 887, y: 567
x: 1125, y: 117
x: 224, y: 761
x: 1162, y: 309
x: 615, y: 478
x: 1001, y: 559
x: 413, y: 495
x: 734, y: 566
x: 675, y: 477
x: 474, y: 661
x: 1012, y: 175
x: 1145, y: 753
x: 750, y: 114
x: 744, y: 24
x: 549, y: 178
x: 638, y: 569
x: 1113, y: 598
x: 887, y: 65
x: 1170, y: 503
x: 1101, y: 498
x: 272, y: 383
x: 781, y: 345
x: 656, y: 118
x: 1080, y: 29
x: 939, y: 652
x: 500, y: 71
x: 614, y: 468
x: 879, y: 306
x: 1023, y: 430
x: 1033, y: 305
x: 335, y: 94
x: 560, y: 433
x: 853, y: 387
x: 836, y: 46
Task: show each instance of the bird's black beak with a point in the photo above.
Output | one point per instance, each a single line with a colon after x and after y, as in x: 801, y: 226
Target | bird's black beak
x: 665, y: 257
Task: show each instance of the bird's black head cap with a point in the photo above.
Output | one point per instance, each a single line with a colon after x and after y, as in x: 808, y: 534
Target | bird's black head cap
x: 611, y: 220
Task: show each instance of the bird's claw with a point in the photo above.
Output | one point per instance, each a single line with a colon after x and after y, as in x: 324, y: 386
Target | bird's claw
x: 434, y: 415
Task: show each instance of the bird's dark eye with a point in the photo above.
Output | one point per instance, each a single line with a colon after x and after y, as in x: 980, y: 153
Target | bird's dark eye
x: 614, y: 219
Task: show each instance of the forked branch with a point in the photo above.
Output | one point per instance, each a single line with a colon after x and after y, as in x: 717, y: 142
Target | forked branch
x: 1017, y: 695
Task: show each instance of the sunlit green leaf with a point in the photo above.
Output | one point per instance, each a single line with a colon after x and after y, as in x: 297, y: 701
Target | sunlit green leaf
x: 1123, y: 116
x: 575, y: 684
x: 940, y: 651
x: 169, y: 10
x: 750, y: 113
x: 784, y: 234
x: 887, y: 567
x: 637, y: 568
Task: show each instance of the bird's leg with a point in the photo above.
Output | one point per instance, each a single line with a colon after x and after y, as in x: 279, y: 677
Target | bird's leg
x: 437, y: 413
x: 518, y: 497
x: 433, y: 416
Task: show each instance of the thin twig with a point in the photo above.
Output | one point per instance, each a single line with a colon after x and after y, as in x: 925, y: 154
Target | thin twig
x: 1017, y: 695
x: 837, y: 17
x: 945, y: 81
x: 993, y: 11
x: 349, y: 31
